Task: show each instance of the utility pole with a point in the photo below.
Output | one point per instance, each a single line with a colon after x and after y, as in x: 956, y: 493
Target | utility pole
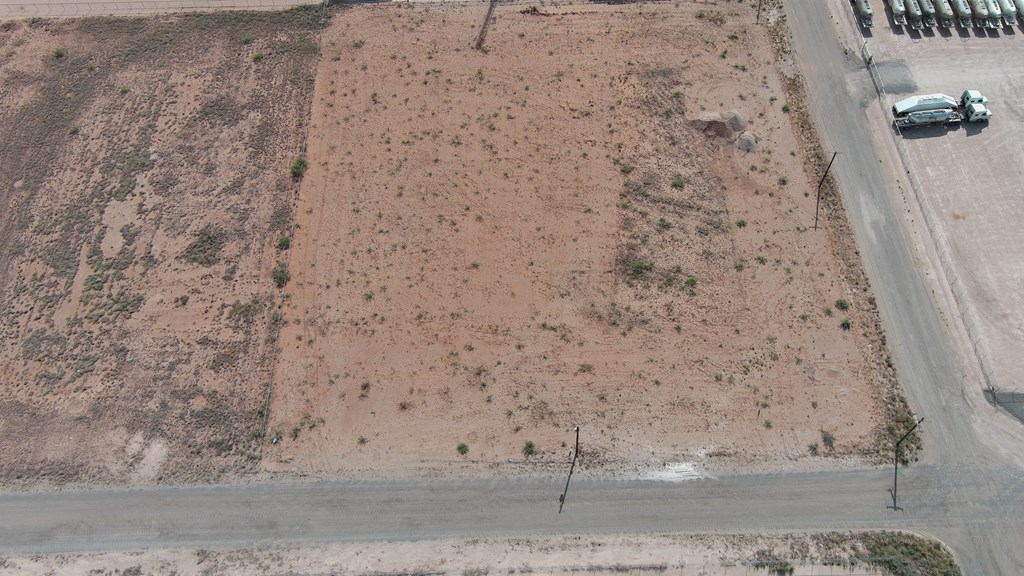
x: 575, y: 453
x: 896, y: 463
x: 817, y: 203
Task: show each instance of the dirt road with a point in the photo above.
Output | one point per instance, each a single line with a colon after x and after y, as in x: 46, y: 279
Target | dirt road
x: 930, y: 351
x: 935, y: 502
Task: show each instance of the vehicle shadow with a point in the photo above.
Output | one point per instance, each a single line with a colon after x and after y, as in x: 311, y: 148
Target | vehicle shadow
x: 921, y: 132
x: 975, y: 128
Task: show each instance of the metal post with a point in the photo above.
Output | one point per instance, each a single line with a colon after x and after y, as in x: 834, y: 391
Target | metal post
x: 817, y: 202
x: 896, y: 463
x: 758, y: 20
x: 576, y: 452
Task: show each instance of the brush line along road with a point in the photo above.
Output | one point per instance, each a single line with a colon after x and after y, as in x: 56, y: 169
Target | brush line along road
x: 967, y: 490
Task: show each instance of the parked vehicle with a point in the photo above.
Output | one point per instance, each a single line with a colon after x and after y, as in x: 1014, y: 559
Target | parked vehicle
x: 995, y: 14
x: 944, y: 13
x: 927, y: 12
x: 1009, y: 12
x: 864, y: 10
x: 935, y: 109
x: 980, y: 13
x: 963, y: 12
x: 899, y: 12
x: 914, y: 14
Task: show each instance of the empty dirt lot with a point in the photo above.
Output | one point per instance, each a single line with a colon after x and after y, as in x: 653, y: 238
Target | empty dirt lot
x: 497, y: 244
x: 504, y: 231
x: 145, y: 182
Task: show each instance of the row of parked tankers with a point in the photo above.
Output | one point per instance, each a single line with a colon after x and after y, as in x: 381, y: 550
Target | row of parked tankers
x: 929, y: 13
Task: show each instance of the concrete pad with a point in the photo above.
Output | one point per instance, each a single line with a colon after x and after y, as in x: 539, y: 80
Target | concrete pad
x: 971, y: 179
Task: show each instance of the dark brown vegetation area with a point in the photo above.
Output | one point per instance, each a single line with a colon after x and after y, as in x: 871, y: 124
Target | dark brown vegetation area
x: 143, y: 188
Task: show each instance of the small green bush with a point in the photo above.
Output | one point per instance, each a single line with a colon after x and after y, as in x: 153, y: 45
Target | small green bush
x: 846, y: 324
x: 299, y: 167
x: 640, y: 267
x: 284, y: 242
x: 281, y: 274
x: 842, y: 305
x: 828, y: 440
x: 462, y: 448
x: 59, y: 53
x: 529, y: 448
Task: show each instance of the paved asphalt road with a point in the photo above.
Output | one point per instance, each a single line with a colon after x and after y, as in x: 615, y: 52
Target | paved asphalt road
x: 967, y: 490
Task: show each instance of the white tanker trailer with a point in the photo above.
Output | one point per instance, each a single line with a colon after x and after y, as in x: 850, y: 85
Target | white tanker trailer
x: 933, y: 109
x: 963, y: 12
x: 995, y: 15
x: 1009, y: 12
x: 927, y: 12
x: 914, y: 14
x: 864, y: 9
x: 944, y: 13
x: 980, y: 13
x: 899, y: 12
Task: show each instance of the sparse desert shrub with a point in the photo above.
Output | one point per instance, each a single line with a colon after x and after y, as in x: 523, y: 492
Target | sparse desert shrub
x: 281, y: 274
x: 462, y: 448
x: 299, y: 166
x: 846, y: 324
x: 842, y: 305
x: 284, y: 242
x: 529, y: 448
x: 205, y: 249
x: 828, y: 440
x: 640, y: 267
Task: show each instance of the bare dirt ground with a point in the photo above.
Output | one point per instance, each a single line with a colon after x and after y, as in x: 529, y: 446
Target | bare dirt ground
x: 682, y: 555
x: 145, y: 180
x: 497, y: 244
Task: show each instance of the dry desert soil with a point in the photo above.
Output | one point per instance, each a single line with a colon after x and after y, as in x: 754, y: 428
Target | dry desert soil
x: 518, y: 222
x: 145, y: 181
x: 851, y: 554
x: 509, y: 221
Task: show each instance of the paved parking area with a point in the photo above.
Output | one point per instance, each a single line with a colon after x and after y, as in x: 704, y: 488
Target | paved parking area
x: 972, y: 177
